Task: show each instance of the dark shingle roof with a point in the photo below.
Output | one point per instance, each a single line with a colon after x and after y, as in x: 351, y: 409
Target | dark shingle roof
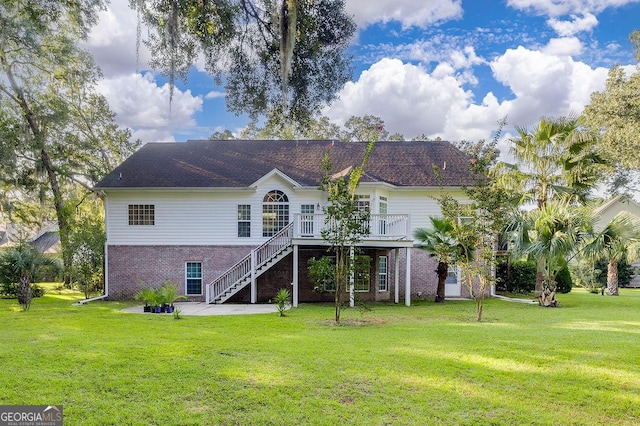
x: 232, y: 163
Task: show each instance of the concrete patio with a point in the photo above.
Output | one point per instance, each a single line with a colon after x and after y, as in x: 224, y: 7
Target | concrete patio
x: 201, y: 308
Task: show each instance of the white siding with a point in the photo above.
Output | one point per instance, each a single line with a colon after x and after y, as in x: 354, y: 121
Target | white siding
x: 419, y: 204
x: 210, y: 218
x: 197, y: 217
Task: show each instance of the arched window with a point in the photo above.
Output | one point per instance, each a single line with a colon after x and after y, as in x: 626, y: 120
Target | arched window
x: 275, y: 212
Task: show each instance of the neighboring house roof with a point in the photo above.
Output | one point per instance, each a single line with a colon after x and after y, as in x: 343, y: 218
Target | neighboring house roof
x: 237, y: 164
x: 610, y: 208
x: 47, y: 243
x: 46, y: 240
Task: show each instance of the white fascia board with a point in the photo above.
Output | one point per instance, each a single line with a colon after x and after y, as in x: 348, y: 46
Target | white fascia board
x: 275, y: 172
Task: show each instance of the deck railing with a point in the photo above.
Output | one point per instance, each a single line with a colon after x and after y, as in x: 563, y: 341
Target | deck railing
x: 381, y: 226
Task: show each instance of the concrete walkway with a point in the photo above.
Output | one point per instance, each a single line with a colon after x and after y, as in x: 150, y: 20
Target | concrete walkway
x: 201, y: 308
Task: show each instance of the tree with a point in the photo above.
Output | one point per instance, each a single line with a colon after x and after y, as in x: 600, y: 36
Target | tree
x: 56, y: 132
x: 551, y: 235
x: 397, y: 137
x: 486, y: 218
x: 314, y: 128
x: 86, y: 244
x: 615, y: 113
x: 285, y: 55
x: 224, y: 135
x: 363, y: 129
x: 345, y: 224
x: 19, y: 265
x: 634, y: 38
x: 558, y: 158
x: 439, y: 240
x: 618, y: 241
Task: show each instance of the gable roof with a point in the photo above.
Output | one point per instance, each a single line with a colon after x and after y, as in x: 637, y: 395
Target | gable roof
x: 237, y: 164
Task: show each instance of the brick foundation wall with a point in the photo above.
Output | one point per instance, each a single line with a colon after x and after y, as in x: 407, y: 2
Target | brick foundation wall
x: 132, y: 267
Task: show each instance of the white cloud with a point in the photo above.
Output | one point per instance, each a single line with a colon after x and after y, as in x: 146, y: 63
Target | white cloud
x: 409, y: 99
x: 143, y: 106
x: 574, y: 26
x: 408, y: 12
x: 555, y: 8
x: 113, y: 41
x: 567, y: 46
x: 215, y: 95
x: 413, y: 101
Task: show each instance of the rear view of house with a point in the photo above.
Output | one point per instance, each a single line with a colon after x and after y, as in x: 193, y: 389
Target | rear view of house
x: 238, y: 220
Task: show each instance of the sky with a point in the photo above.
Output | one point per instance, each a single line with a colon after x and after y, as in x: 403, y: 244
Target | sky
x: 444, y: 68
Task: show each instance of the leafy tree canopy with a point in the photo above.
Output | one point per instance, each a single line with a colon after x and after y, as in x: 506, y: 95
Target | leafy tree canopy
x: 615, y: 112
x: 56, y: 131
x: 284, y: 55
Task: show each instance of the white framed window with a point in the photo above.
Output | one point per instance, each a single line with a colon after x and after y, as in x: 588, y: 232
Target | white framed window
x: 275, y: 212
x: 364, y: 203
x: 193, y: 278
x: 383, y: 273
x: 142, y: 214
x: 452, y: 275
x: 244, y: 220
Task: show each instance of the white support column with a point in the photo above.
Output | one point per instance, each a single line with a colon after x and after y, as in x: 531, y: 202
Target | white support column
x: 352, y: 299
x: 396, y: 270
x: 254, y: 283
x: 407, y: 282
x: 294, y: 302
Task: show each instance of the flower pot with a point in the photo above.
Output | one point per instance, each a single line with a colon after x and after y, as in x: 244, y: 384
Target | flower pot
x: 169, y: 309
x: 146, y: 308
x: 157, y: 309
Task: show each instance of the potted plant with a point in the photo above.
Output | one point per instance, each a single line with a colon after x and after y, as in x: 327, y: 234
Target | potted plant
x: 148, y: 296
x: 157, y: 301
x: 169, y: 291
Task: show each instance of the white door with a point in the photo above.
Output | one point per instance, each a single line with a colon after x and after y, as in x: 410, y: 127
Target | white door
x: 452, y: 285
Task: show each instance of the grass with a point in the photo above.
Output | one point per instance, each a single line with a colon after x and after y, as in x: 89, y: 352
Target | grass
x: 427, y: 364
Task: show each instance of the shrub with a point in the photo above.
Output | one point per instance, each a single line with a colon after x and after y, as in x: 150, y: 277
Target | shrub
x: 584, y: 274
x: 50, y: 272
x: 281, y: 300
x: 517, y: 277
x: 37, y: 291
x: 563, y: 281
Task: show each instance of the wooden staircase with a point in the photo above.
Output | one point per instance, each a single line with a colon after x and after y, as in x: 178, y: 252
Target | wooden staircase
x: 250, y: 267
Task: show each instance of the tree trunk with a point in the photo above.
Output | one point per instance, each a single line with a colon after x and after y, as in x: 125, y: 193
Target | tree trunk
x: 539, y: 281
x: 612, y: 278
x: 442, y: 271
x: 39, y: 137
x: 547, y: 297
x: 61, y: 214
x: 479, y: 302
x: 24, y: 293
x: 340, y: 282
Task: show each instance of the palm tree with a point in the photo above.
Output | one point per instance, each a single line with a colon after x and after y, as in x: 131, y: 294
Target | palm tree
x: 551, y: 235
x: 619, y: 240
x: 20, y: 264
x: 439, y: 240
x: 558, y: 158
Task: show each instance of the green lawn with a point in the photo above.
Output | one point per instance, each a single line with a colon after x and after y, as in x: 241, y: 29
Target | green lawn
x: 427, y: 364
